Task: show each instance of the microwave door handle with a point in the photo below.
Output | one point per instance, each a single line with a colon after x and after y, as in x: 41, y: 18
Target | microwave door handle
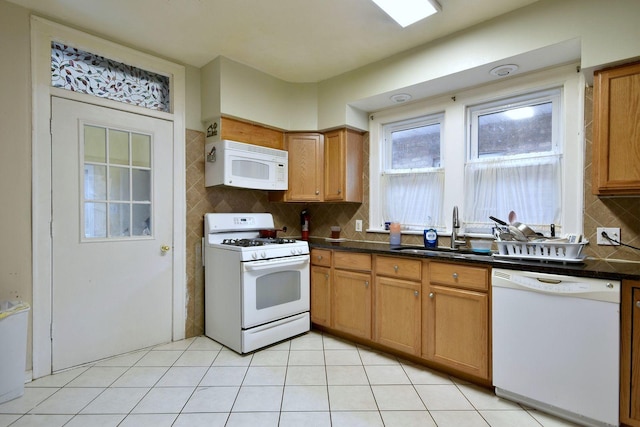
x: 289, y: 261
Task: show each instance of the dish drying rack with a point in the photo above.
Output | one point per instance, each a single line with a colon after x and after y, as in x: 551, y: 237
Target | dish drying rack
x: 545, y: 250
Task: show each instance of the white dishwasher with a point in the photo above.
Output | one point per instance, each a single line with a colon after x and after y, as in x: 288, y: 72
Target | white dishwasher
x: 556, y: 344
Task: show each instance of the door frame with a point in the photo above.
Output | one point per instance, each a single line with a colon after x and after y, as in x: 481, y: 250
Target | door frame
x: 42, y: 33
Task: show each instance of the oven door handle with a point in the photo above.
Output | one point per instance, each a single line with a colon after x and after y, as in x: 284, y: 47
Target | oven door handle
x: 279, y: 262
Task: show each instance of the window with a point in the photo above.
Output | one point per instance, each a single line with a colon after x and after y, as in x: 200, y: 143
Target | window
x: 117, y: 183
x: 412, y: 177
x: 514, y: 161
x: 80, y: 71
x: 515, y: 144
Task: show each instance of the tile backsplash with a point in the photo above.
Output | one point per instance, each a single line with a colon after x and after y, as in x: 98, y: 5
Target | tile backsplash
x: 623, y: 212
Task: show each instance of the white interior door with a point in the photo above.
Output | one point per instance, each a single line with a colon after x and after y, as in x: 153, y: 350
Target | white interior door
x: 112, y: 219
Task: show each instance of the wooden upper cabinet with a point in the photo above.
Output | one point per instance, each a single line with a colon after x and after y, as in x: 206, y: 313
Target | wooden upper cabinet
x: 616, y: 131
x: 237, y: 130
x: 306, y: 168
x: 343, y: 166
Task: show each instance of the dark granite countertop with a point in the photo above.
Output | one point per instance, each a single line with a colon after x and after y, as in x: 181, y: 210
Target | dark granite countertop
x: 595, y: 268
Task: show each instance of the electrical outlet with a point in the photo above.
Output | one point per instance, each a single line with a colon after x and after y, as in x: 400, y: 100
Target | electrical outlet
x: 358, y: 225
x: 612, y: 232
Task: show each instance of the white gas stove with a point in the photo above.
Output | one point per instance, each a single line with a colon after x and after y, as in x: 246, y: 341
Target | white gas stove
x: 256, y: 289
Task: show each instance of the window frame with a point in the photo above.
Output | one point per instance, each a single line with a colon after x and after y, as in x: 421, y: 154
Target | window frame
x: 455, y: 136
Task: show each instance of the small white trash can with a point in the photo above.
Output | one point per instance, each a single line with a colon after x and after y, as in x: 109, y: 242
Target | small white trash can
x: 13, y: 348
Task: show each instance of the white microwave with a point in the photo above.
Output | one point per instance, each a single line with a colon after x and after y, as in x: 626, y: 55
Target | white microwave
x: 241, y: 165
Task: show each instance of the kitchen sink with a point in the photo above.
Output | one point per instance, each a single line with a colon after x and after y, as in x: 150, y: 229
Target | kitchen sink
x: 458, y: 253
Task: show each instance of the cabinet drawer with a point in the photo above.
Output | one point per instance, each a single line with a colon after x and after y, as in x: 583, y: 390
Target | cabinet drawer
x: 463, y: 276
x: 409, y: 269
x: 321, y: 257
x: 352, y: 261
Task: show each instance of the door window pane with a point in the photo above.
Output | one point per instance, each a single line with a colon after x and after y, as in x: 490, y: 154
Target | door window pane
x: 118, y: 147
x: 95, y: 182
x: 95, y: 220
x: 118, y: 183
x: 141, y: 220
x: 141, y: 185
x: 95, y: 144
x: 119, y: 220
x: 117, y: 193
x: 141, y: 150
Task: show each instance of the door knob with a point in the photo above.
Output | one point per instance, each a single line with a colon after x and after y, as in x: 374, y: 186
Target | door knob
x: 164, y: 249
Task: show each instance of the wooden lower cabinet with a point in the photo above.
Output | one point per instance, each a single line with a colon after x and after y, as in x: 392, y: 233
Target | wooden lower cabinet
x: 321, y: 287
x: 630, y: 354
x: 351, y: 303
x: 434, y: 311
x: 456, y: 325
x: 321, y: 295
x: 397, y: 314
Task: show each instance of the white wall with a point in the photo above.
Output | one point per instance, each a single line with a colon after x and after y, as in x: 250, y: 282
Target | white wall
x: 233, y: 89
x: 608, y: 33
x: 193, y: 107
x: 15, y: 161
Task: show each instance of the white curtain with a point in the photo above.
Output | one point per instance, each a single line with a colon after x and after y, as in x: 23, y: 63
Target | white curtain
x: 530, y: 186
x: 414, y: 199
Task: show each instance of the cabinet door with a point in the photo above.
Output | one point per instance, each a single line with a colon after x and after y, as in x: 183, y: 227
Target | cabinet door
x: 320, y: 295
x: 456, y: 328
x: 629, y: 354
x: 306, y: 173
x: 351, y: 303
x: 397, y: 314
x: 616, y: 131
x: 240, y: 131
x: 343, y: 166
x: 334, y: 147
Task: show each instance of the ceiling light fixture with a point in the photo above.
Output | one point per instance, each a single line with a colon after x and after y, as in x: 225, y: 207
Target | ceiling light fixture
x: 504, y: 70
x: 399, y: 98
x: 406, y: 12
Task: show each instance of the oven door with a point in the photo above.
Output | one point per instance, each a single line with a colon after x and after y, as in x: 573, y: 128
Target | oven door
x: 273, y: 289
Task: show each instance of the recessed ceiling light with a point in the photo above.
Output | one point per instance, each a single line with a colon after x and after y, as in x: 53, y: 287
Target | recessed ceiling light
x: 406, y: 12
x: 504, y: 70
x: 400, y: 97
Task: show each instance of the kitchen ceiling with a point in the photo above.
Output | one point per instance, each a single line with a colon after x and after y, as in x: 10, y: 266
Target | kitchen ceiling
x: 294, y: 40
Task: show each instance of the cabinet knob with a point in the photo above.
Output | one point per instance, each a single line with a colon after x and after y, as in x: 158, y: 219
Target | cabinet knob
x: 395, y: 267
x: 317, y: 192
x: 319, y: 257
x: 455, y: 275
x: 431, y: 295
x: 326, y: 276
x: 638, y: 304
x: 366, y: 283
x: 339, y: 191
x: 416, y: 293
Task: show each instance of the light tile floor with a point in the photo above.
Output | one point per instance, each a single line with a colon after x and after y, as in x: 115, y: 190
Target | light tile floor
x: 311, y: 380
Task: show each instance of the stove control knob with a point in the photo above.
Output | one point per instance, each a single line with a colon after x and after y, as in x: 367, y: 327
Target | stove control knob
x: 293, y: 251
x: 254, y: 255
x: 263, y: 254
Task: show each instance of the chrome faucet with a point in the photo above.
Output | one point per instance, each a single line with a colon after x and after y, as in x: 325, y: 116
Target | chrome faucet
x: 455, y: 225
